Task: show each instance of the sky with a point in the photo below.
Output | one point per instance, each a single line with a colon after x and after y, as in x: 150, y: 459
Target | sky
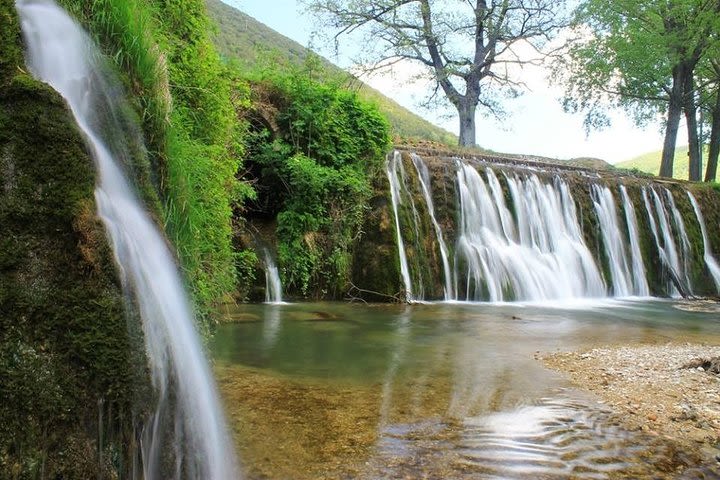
x: 536, y: 124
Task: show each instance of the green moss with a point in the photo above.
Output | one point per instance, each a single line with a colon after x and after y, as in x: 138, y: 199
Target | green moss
x: 66, y: 352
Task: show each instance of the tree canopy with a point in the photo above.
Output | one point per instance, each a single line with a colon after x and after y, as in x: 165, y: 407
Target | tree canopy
x: 643, y: 57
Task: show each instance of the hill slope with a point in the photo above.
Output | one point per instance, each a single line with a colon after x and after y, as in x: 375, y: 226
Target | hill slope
x: 248, y: 41
x: 650, y: 163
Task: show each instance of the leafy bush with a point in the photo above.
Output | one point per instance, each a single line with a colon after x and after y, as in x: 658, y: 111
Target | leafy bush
x: 316, y: 171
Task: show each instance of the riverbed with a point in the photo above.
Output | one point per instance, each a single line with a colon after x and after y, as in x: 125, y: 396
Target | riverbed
x: 446, y: 390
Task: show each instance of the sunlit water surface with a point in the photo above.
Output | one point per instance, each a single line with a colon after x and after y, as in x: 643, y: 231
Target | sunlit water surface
x: 435, y: 391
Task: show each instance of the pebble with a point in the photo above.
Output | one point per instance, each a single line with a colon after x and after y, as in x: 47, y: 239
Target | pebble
x: 650, y: 387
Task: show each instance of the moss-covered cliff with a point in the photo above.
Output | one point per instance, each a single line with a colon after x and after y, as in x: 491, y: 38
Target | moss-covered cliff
x: 71, y: 361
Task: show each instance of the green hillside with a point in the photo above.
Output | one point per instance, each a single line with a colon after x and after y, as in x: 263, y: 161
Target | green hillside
x: 650, y: 163
x: 242, y: 38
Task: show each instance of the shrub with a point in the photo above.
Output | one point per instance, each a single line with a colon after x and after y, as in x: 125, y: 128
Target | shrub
x: 316, y: 169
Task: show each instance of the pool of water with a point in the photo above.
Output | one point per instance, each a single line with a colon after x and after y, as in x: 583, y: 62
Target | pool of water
x: 330, y: 390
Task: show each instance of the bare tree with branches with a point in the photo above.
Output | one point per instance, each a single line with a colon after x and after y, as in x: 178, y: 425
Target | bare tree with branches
x: 468, y: 46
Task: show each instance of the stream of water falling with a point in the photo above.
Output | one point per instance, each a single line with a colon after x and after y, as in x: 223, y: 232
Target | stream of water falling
x: 640, y: 282
x: 396, y: 176
x: 665, y: 241
x: 424, y: 177
x: 542, y: 257
x: 273, y: 286
x: 60, y: 53
x: 613, y: 240
x: 710, y: 261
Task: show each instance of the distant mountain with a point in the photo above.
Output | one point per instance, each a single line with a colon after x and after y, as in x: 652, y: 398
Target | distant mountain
x: 243, y: 38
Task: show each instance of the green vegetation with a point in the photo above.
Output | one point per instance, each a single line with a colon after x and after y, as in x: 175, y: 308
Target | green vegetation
x: 71, y: 361
x: 188, y: 100
x: 650, y: 163
x: 252, y: 44
x: 653, y: 57
x: 314, y: 173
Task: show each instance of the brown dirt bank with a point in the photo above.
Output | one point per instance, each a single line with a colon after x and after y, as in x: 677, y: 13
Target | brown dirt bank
x: 652, y: 390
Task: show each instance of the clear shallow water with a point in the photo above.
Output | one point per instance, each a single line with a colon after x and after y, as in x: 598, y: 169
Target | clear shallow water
x: 433, y: 391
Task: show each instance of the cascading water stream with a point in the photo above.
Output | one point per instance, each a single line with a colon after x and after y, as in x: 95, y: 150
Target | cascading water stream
x: 684, y: 240
x: 273, y: 286
x: 613, y: 240
x: 396, y: 176
x: 665, y: 242
x: 543, y: 257
x: 424, y: 177
x: 640, y: 283
x: 710, y: 261
x: 61, y: 54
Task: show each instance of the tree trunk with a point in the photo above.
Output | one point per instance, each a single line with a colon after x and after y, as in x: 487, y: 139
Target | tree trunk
x: 466, y: 112
x: 714, y: 141
x: 695, y: 170
x: 673, y: 123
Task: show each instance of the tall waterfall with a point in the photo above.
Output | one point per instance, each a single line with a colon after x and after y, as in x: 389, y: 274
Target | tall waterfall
x: 710, y: 261
x: 61, y: 54
x: 539, y: 254
x: 273, y: 286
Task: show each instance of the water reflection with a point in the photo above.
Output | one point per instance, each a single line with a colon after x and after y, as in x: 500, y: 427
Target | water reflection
x: 442, y: 390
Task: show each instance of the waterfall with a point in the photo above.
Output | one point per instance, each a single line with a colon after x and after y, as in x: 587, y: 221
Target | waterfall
x: 613, y: 240
x: 682, y: 233
x: 710, y: 261
x: 665, y: 241
x: 640, y: 283
x: 273, y: 286
x: 539, y: 256
x: 424, y: 177
x: 397, y: 178
x: 61, y: 54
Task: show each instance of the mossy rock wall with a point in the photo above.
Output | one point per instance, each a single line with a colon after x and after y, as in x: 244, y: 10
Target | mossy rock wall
x: 72, y: 363
x: 376, y: 263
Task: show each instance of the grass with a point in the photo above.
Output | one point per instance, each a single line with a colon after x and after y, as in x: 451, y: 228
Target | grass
x: 650, y: 163
x: 187, y: 100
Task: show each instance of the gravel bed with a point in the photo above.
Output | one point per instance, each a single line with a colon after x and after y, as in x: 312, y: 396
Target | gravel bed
x: 659, y: 389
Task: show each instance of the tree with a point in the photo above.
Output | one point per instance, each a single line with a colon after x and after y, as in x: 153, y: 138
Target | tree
x: 710, y: 103
x: 468, y: 46
x: 641, y: 56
